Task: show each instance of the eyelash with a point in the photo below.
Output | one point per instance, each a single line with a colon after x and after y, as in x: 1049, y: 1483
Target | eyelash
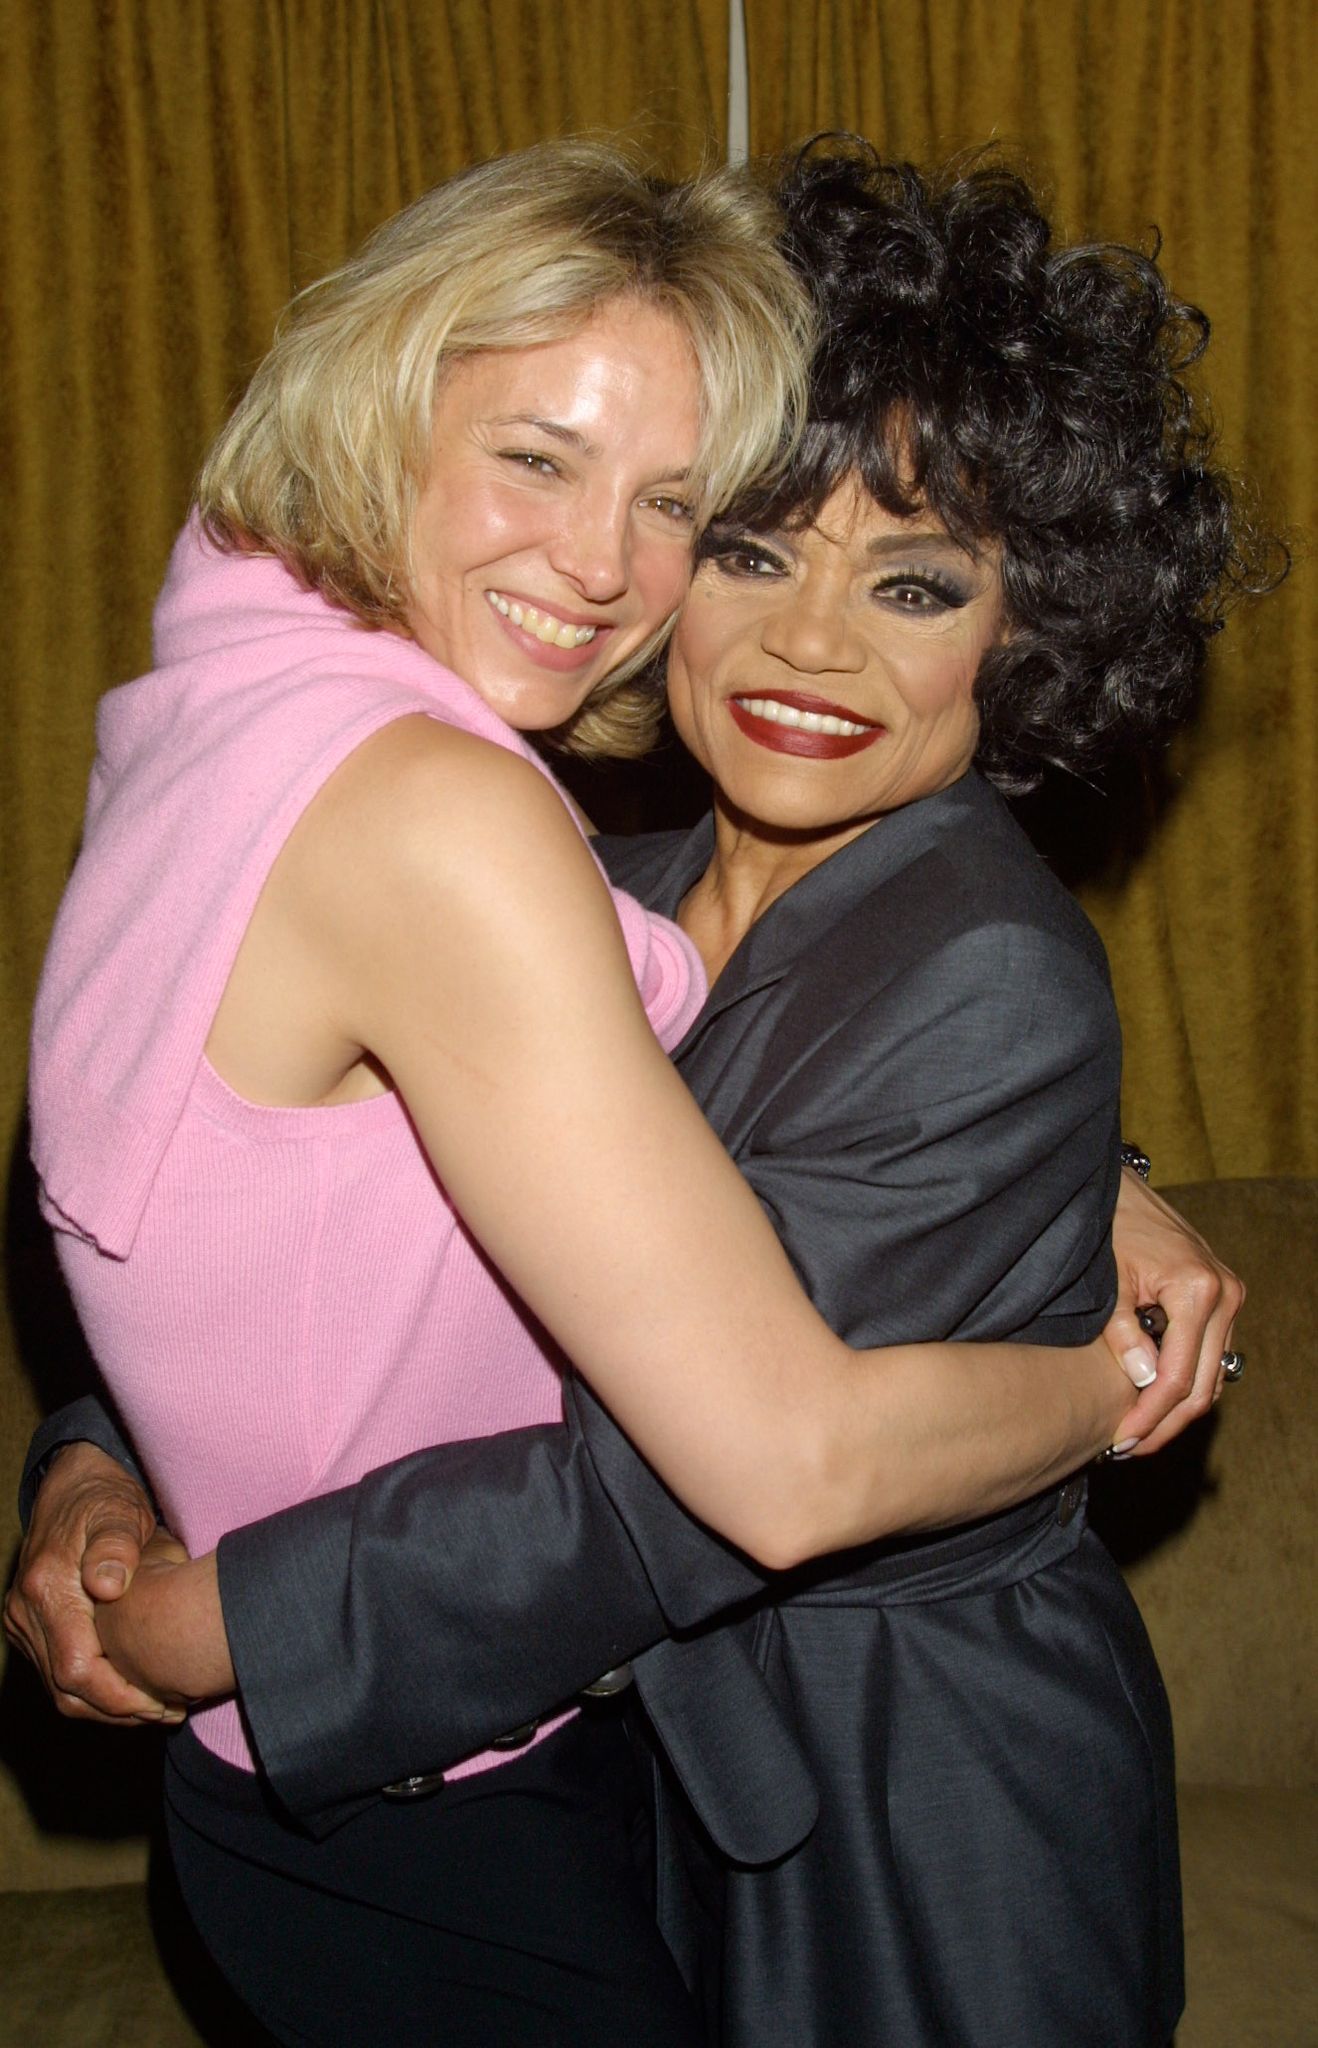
x: 739, y: 557
x: 947, y: 594
x: 680, y: 513
x: 531, y: 459
x: 535, y: 462
x: 727, y: 554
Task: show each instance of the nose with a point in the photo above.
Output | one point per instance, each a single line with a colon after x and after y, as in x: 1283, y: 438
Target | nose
x: 811, y: 631
x: 591, y: 548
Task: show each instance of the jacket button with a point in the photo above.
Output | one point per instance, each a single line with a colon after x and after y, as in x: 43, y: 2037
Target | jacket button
x: 516, y: 1738
x: 413, y: 1788
x: 608, y: 1683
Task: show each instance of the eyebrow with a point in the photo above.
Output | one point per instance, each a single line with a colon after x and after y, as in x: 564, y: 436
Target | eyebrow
x: 886, y: 545
x: 570, y: 438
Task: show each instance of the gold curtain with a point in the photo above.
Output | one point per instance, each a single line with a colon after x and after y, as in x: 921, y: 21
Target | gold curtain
x: 1199, y: 116
x: 171, y: 169
x: 169, y: 172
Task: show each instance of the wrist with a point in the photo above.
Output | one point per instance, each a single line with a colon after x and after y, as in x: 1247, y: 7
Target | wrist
x: 167, y: 1633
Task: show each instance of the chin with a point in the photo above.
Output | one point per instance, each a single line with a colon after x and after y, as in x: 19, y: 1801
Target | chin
x: 528, y: 707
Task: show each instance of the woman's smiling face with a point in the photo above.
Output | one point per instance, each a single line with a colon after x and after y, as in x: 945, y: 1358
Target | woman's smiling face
x: 826, y: 675
x: 552, y: 538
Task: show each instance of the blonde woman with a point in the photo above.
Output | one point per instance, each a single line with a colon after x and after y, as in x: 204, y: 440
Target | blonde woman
x: 348, y: 1083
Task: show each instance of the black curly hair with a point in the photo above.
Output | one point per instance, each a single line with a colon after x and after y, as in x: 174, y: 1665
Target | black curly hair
x: 1035, y: 395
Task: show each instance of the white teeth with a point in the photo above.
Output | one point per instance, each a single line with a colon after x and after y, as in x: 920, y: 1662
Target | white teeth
x: 554, y: 632
x: 808, y: 721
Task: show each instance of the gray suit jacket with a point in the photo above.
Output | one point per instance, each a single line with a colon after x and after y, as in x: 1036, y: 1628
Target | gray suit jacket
x: 914, y: 1060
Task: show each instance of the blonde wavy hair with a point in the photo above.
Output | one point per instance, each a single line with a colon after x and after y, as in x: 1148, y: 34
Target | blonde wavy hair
x: 322, y: 460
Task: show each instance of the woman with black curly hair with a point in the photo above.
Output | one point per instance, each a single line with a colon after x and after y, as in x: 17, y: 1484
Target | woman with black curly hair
x: 921, y: 1793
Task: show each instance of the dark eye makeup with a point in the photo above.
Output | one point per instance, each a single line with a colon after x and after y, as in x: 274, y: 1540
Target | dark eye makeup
x: 740, y: 554
x: 918, y: 590
x: 910, y: 587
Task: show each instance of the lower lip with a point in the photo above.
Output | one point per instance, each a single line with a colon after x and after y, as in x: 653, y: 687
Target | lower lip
x: 563, y: 660
x: 794, y: 739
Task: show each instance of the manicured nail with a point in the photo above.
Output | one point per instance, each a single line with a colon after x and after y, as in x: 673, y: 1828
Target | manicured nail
x: 112, y: 1574
x: 1139, y: 1368
x: 1125, y: 1447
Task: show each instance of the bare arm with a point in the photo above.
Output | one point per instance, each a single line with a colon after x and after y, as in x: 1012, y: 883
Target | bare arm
x: 457, y: 931
x: 556, y: 1124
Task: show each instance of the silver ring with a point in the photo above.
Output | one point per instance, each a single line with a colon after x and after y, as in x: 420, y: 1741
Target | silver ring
x: 1233, y: 1364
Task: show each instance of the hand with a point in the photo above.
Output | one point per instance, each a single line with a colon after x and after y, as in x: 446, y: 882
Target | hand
x: 89, y: 1525
x: 1162, y: 1261
x: 166, y: 1636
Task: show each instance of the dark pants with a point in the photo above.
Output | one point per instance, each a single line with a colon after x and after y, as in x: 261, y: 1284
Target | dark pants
x: 511, y: 1908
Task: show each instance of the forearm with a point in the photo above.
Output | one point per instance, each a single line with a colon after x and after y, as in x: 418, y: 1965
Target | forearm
x: 920, y: 1437
x: 397, y: 1626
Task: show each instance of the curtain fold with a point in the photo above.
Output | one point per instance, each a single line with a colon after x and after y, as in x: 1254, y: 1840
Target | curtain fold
x: 1200, y: 118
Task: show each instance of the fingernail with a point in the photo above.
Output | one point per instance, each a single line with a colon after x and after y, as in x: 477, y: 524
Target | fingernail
x: 1139, y: 1369
x: 1125, y: 1447
x: 112, y: 1574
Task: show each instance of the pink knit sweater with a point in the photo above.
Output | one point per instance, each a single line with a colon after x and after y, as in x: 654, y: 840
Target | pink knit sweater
x: 279, y: 1299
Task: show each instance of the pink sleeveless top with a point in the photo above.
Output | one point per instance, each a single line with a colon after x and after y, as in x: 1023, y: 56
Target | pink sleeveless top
x: 279, y: 1299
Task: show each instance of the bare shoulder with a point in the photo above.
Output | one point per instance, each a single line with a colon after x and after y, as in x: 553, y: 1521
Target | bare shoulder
x: 428, y: 857
x: 418, y: 774
x: 431, y: 856
x: 425, y: 806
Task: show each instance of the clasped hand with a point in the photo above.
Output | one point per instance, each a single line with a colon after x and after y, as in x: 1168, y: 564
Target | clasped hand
x: 122, y: 1625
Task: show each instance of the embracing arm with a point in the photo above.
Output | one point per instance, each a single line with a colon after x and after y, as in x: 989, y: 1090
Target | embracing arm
x: 362, y: 1623
x: 496, y: 993
x: 573, y: 1151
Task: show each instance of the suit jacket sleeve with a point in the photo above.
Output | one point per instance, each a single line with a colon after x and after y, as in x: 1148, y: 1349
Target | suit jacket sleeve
x: 395, y: 1626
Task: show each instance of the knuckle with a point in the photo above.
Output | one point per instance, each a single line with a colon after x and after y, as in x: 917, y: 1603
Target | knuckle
x: 68, y: 1669
x: 1203, y: 1286
x: 30, y: 1584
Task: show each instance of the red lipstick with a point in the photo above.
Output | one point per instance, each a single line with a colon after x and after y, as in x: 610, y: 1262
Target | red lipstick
x: 796, y: 739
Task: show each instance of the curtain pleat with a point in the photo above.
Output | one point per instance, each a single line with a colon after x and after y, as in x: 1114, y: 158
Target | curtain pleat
x: 1199, y: 116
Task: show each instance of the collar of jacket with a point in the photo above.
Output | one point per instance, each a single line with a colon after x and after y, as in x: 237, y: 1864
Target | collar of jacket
x: 661, y: 868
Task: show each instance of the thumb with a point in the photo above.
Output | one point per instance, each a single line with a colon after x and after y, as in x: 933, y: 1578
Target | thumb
x: 111, y: 1557
x: 1131, y: 1346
